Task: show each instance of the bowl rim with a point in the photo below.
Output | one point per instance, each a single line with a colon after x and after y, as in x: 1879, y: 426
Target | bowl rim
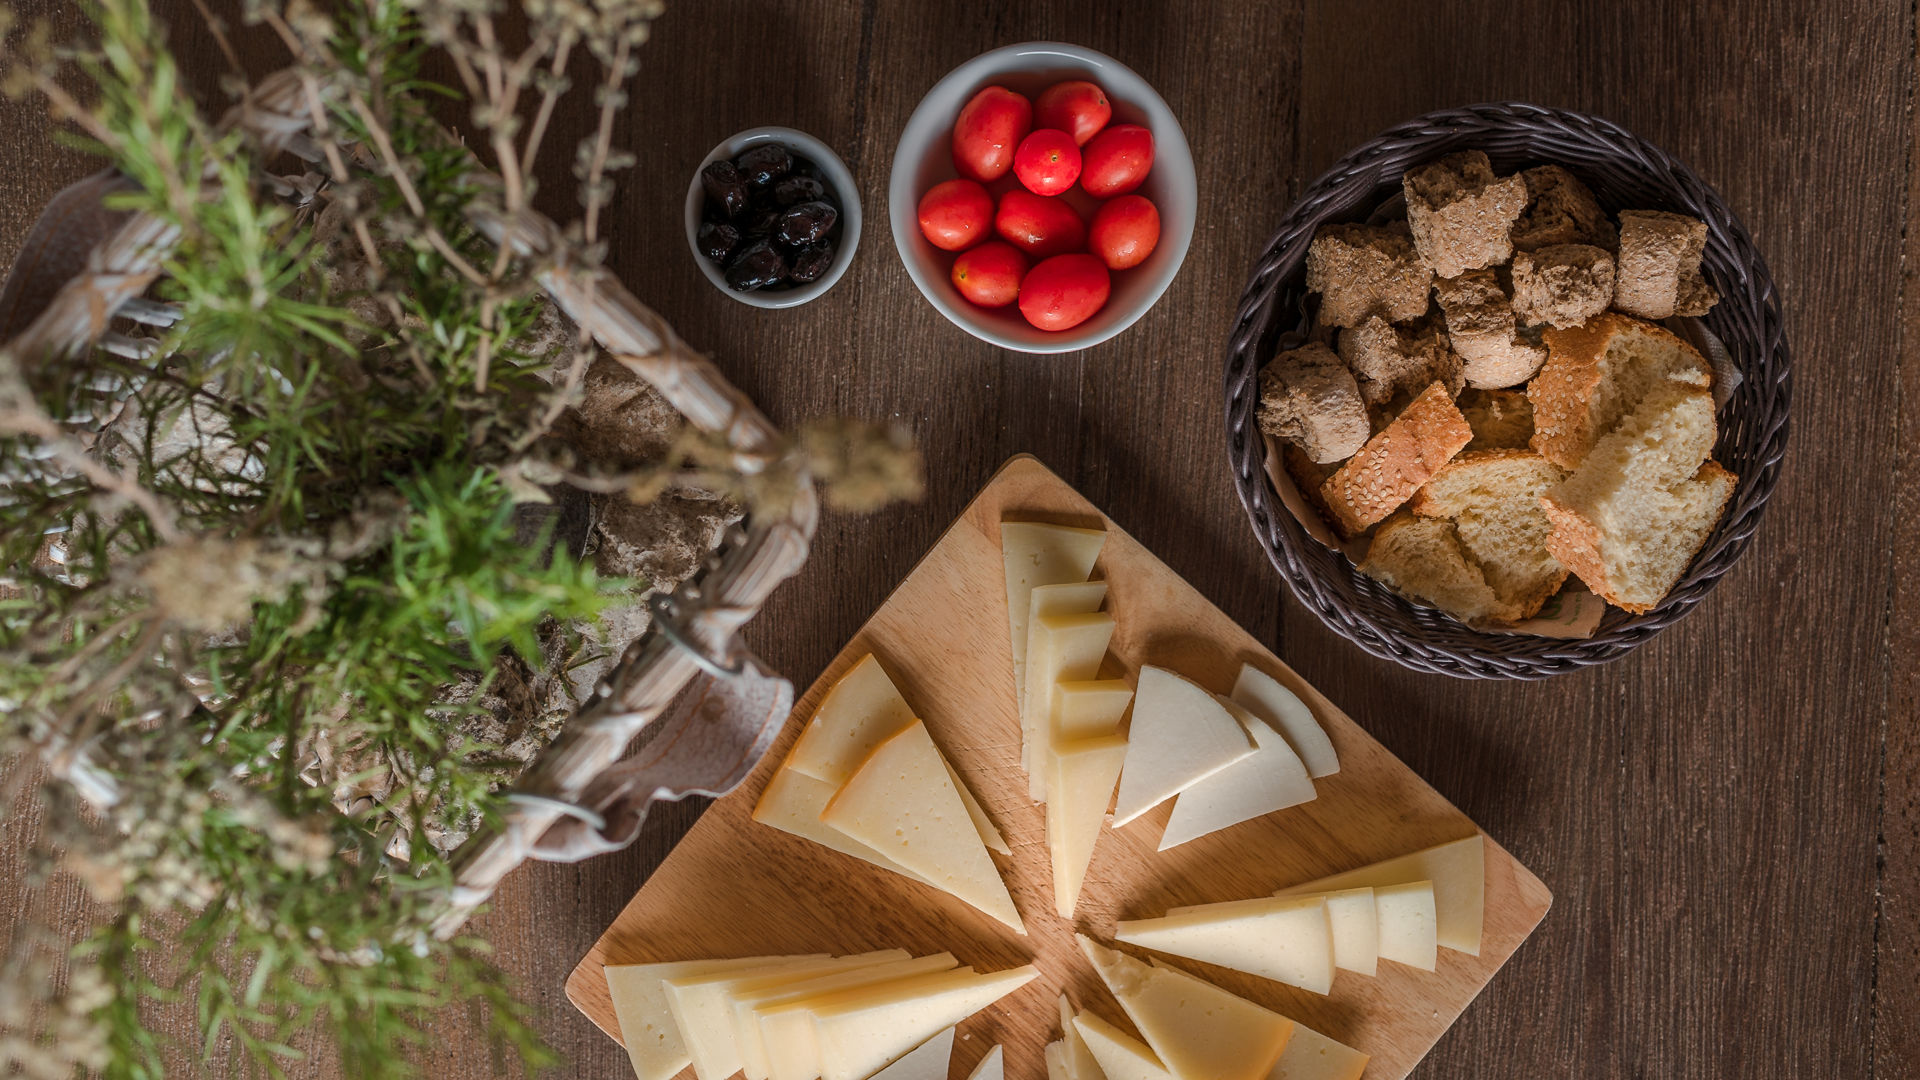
x: 843, y: 183
x: 1170, y: 149
x: 1382, y: 623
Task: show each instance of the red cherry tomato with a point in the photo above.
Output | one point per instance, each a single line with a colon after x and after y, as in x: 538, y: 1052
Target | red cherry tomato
x: 1117, y: 161
x: 1048, y: 161
x: 956, y: 215
x: 1124, y: 231
x: 1039, y: 225
x: 990, y: 274
x: 1078, y: 108
x: 1064, y: 291
x: 990, y: 126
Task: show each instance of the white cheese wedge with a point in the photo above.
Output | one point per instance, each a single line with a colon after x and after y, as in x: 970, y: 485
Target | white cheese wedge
x: 1067, y: 646
x: 1459, y: 875
x: 904, y: 804
x: 982, y: 824
x: 1043, y: 668
x: 746, y: 1003
x: 1084, y: 774
x: 793, y: 802
x: 991, y: 1067
x: 1084, y: 708
x: 1081, y: 1064
x: 1056, y: 1055
x: 1356, y: 930
x: 860, y: 1032
x: 1283, y: 938
x: 646, y: 1020
x: 1272, y: 778
x: 1121, y: 1056
x: 787, y: 1029
x: 1038, y: 554
x: 862, y: 710
x: 698, y: 1004
x: 1180, y: 736
x: 1198, y: 1030
x: 1312, y: 1056
x: 1263, y: 696
x: 1408, y: 927
x: 928, y: 1061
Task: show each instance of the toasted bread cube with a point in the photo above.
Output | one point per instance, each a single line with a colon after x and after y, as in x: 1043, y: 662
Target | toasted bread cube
x: 1363, y: 270
x: 1563, y: 285
x: 1387, y: 360
x: 1659, y: 273
x: 1482, y: 329
x: 1393, y: 464
x: 1461, y: 214
x: 1308, y: 397
x: 1560, y: 210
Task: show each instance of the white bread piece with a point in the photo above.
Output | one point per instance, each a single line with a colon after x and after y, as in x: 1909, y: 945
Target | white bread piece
x: 1493, y: 499
x: 1421, y: 559
x: 1308, y: 397
x: 1637, y: 510
x: 1660, y: 265
x: 1461, y: 214
x: 1393, y: 464
x: 1500, y: 419
x: 1482, y: 329
x: 1598, y: 373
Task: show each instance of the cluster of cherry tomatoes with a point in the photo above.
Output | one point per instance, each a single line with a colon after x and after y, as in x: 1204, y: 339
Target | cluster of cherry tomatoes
x: 1030, y: 244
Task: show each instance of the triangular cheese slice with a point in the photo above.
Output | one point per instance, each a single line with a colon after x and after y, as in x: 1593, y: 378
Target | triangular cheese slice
x: 862, y: 710
x: 1121, y: 1056
x: 701, y: 1011
x: 1459, y: 875
x: 1070, y: 647
x: 1045, y: 661
x: 982, y: 824
x: 903, y: 803
x: 792, y: 803
x: 748, y: 1002
x: 1081, y: 1064
x: 1312, y: 1056
x: 1356, y: 930
x: 1264, y: 697
x: 1286, y: 939
x: 646, y: 1020
x: 787, y: 1028
x: 1056, y: 1055
x: 1198, y: 1030
x: 861, y: 1031
x: 1408, y: 928
x: 1179, y: 737
x: 1270, y: 779
x: 1037, y: 554
x: 1084, y: 775
x: 991, y: 1067
x: 928, y: 1061
x: 1084, y: 708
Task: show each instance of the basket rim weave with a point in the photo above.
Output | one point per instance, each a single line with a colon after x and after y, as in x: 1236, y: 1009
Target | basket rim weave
x: 1753, y: 424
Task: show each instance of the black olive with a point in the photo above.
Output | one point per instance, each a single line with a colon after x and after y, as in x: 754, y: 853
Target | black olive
x: 805, y: 223
x: 797, y: 189
x: 756, y: 267
x: 724, y: 187
x: 718, y: 241
x: 811, y: 262
x: 764, y: 164
x: 760, y: 223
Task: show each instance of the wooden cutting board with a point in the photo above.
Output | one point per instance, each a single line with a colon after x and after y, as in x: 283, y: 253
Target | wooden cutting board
x: 736, y: 888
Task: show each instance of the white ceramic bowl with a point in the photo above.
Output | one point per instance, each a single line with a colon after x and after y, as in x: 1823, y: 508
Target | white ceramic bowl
x: 837, y: 176
x: 925, y: 158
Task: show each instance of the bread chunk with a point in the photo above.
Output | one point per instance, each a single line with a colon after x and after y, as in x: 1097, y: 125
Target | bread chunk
x: 1563, y: 285
x: 1596, y: 374
x: 1560, y: 210
x: 1308, y: 397
x: 1493, y: 499
x: 1387, y: 360
x: 1422, y: 560
x: 1636, y: 512
x: 1363, y: 270
x: 1461, y: 214
x: 1393, y: 464
x: 1500, y: 419
x: 1659, y: 275
x: 1482, y: 329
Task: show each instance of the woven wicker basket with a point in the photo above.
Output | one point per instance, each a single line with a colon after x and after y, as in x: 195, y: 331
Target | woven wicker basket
x: 1625, y: 172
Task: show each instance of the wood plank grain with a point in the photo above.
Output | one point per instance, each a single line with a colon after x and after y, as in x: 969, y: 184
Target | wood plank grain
x: 737, y: 888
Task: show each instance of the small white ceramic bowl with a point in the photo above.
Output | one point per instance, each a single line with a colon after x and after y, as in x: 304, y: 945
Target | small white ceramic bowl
x: 925, y: 158
x: 838, y: 177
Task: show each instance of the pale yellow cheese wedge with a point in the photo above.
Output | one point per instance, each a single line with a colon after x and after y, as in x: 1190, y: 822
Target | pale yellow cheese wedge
x: 1037, y: 554
x: 1120, y: 1055
x: 1081, y: 1064
x: 1084, y: 775
x: 1272, y: 778
x: 1067, y: 646
x: 991, y: 1067
x: 861, y: 1031
x: 787, y: 1030
x: 1263, y: 696
x: 747, y: 1001
x: 1198, y: 1030
x: 1180, y: 735
x: 1043, y: 663
x: 1356, y: 930
x: 1459, y: 876
x: 1056, y: 1056
x: 793, y: 803
x: 1084, y: 708
x: 698, y: 1004
x: 1408, y: 927
x: 862, y: 710
x: 928, y: 1061
x: 646, y: 1021
x: 1312, y: 1056
x: 903, y: 803
x: 1286, y: 939
x: 982, y: 824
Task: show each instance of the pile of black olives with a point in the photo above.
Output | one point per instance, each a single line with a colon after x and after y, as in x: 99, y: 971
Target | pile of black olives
x: 771, y: 220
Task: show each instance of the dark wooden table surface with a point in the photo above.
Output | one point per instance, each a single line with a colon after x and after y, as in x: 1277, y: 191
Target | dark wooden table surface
x: 1728, y: 817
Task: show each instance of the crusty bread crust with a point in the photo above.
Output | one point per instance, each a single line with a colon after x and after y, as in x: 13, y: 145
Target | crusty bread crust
x: 1394, y: 463
x: 1563, y: 391
x: 1576, y: 541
